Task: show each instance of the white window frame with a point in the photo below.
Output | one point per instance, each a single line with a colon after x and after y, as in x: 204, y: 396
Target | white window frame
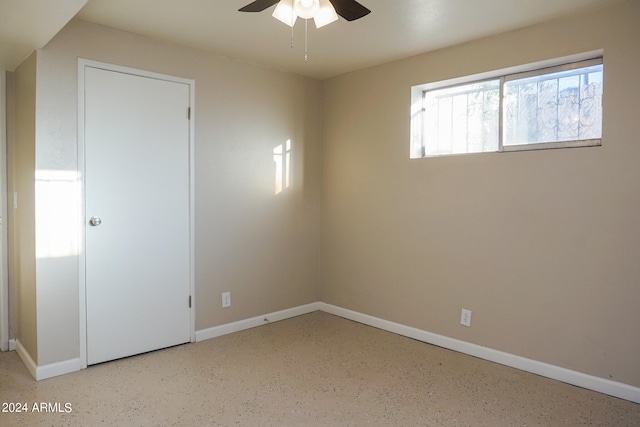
x: 417, y: 147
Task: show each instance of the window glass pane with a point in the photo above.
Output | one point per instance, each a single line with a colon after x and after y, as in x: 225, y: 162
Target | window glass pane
x: 561, y: 106
x: 462, y: 119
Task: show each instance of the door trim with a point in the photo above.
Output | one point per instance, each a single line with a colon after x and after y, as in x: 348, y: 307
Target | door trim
x: 82, y: 65
x: 4, y: 281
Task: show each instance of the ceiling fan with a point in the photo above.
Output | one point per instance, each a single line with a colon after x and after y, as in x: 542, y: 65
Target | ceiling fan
x: 322, y: 11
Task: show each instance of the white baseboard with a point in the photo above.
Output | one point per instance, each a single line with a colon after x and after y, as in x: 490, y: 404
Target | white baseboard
x: 46, y: 371
x: 241, y: 325
x: 12, y: 345
x: 59, y: 368
x: 601, y: 385
x: 26, y: 359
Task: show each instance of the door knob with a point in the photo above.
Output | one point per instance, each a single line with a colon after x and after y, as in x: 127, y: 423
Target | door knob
x: 95, y: 221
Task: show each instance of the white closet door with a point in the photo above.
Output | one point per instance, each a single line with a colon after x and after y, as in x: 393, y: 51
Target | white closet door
x: 137, y: 252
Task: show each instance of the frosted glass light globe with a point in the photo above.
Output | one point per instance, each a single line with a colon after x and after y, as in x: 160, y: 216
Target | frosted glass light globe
x: 306, y: 9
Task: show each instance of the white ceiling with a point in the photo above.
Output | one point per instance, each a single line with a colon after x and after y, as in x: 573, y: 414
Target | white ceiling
x: 395, y: 29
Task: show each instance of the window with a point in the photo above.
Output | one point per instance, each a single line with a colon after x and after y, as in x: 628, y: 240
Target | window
x: 552, y: 107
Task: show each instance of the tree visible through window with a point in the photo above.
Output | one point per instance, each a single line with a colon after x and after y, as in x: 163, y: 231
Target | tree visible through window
x: 462, y: 119
x: 554, y: 107
x: 560, y: 106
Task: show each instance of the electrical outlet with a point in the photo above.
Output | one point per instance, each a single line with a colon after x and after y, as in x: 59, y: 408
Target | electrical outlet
x: 226, y: 299
x: 465, y: 317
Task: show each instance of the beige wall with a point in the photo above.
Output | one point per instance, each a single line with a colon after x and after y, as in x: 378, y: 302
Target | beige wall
x: 543, y: 246
x: 261, y: 247
x: 22, y: 95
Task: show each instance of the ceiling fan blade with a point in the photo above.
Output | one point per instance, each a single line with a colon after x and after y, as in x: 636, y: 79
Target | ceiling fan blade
x: 349, y: 9
x: 258, y: 5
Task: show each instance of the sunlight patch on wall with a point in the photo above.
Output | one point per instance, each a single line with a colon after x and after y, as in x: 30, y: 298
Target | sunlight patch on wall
x: 57, y: 213
x: 282, y: 159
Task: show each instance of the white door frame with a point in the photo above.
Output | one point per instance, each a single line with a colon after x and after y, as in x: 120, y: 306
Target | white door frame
x: 82, y: 64
x: 4, y: 282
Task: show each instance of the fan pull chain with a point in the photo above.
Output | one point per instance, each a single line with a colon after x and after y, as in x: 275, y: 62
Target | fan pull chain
x: 306, y: 56
x: 293, y: 15
x: 291, y: 37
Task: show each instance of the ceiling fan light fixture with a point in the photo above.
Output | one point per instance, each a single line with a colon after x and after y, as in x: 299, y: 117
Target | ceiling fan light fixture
x: 285, y: 12
x: 326, y: 14
x: 306, y: 9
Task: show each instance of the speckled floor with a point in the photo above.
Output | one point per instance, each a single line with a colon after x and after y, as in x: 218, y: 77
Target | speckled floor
x: 313, y: 370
